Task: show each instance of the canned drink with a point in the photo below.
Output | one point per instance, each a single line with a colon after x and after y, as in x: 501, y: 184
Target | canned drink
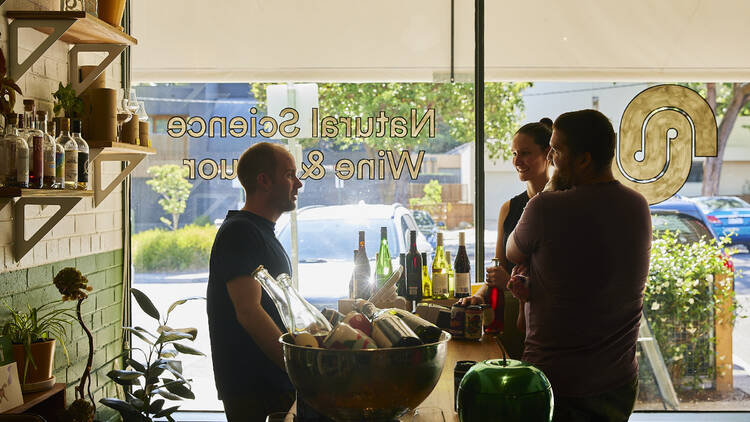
x: 458, y: 320
x: 344, y: 337
x: 473, y: 328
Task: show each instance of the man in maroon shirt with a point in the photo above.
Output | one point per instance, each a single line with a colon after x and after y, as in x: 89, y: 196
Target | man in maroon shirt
x: 586, y: 252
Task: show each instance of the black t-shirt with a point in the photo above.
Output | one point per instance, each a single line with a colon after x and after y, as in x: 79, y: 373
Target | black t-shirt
x: 515, y: 209
x: 244, y: 241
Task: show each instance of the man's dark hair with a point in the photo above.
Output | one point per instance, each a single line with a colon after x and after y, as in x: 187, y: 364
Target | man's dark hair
x: 259, y: 158
x: 539, y: 131
x: 588, y: 131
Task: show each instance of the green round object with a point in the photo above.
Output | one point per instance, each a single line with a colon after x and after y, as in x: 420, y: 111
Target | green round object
x: 505, y: 390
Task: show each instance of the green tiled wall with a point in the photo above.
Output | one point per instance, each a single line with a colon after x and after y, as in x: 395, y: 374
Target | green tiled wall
x: 102, y: 312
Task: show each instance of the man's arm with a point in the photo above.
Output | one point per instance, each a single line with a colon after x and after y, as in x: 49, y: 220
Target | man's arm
x: 245, y: 293
x: 513, y: 252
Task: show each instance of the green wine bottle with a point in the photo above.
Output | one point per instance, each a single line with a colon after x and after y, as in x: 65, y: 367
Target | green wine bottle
x: 451, y: 275
x: 383, y: 268
x: 426, y: 283
x: 439, y: 271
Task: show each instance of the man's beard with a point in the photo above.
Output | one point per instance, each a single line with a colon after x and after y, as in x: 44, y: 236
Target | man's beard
x: 557, y: 182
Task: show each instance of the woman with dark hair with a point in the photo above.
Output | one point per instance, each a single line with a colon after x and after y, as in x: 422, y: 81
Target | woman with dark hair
x: 530, y: 147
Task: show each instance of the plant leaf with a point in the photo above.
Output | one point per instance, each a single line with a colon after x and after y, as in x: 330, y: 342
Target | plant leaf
x: 119, y: 405
x: 124, y: 377
x: 178, y: 387
x: 145, y: 303
x: 187, y: 349
x: 168, y: 353
x: 166, y: 394
x: 166, y: 412
x: 138, y: 334
x: 136, y: 365
x: 170, y: 336
x: 156, y: 406
x: 181, y: 301
x: 192, y: 331
x: 135, y: 401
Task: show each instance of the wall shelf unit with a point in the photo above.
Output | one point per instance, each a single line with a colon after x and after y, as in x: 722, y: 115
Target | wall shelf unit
x: 101, y: 151
x: 85, y: 32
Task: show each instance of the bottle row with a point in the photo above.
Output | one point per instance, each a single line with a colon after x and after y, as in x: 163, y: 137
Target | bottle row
x: 33, y: 155
x: 445, y: 280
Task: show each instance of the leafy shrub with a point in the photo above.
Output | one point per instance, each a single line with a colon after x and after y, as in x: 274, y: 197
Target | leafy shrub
x: 187, y: 248
x: 202, y: 220
x: 680, y: 299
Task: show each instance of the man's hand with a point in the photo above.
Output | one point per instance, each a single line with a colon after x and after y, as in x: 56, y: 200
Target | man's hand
x: 471, y: 300
x: 518, y: 283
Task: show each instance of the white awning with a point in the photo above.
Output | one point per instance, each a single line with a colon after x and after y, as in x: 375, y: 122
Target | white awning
x: 409, y: 40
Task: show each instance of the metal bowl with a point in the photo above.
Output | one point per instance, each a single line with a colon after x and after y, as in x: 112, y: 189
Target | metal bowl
x: 365, y: 385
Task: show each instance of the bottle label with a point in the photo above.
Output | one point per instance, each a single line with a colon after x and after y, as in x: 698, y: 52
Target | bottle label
x: 22, y: 166
x: 413, y: 290
x: 83, y: 167
x: 49, y: 162
x: 462, y: 283
x: 59, y: 166
x: 71, y: 166
x: 440, y: 284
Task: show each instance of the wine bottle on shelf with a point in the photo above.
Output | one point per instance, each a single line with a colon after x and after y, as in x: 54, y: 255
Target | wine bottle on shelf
x: 59, y: 156
x: 439, y: 271
x: 451, y: 275
x: 413, y: 269
x: 383, y: 266
x: 83, y: 156
x: 15, y: 155
x: 35, y: 139
x: 462, y: 268
x: 48, y: 151
x: 71, y: 155
x: 426, y: 283
x: 401, y: 284
x: 362, y: 288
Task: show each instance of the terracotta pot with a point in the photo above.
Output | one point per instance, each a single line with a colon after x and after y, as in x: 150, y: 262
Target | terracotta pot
x: 44, y: 357
x: 111, y: 11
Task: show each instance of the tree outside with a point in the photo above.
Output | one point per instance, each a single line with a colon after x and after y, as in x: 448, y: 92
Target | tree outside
x: 170, y: 181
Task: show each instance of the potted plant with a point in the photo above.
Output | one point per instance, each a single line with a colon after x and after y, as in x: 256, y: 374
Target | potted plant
x: 8, y: 89
x: 33, y: 334
x: 160, y: 374
x: 73, y: 285
x: 67, y: 101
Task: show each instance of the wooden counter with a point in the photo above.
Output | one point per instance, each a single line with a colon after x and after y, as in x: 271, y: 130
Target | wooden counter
x: 442, y: 395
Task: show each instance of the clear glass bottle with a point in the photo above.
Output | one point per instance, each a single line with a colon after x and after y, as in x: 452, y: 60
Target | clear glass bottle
x: 59, y: 156
x: 362, y: 285
x: 71, y: 155
x: 35, y: 140
x: 49, y: 148
x: 83, y: 156
x: 15, y: 155
x: 439, y: 271
x: 297, y: 314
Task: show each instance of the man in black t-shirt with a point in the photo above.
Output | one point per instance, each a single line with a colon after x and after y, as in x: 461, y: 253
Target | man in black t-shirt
x: 243, y: 322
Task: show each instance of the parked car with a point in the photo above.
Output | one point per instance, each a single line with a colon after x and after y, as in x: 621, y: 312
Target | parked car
x: 727, y: 215
x: 327, y: 237
x: 427, y: 225
x: 686, y: 206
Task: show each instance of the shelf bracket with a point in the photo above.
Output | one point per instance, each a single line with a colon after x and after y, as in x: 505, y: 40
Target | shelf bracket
x: 59, y: 26
x: 22, y: 246
x: 112, y: 50
x: 133, y: 160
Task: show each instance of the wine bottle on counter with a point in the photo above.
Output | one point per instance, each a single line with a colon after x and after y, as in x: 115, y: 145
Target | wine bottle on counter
x: 391, y: 331
x: 451, y: 275
x: 462, y: 268
x: 426, y: 283
x: 353, y: 278
x: 362, y: 288
x: 401, y: 286
x: 439, y: 271
x: 383, y: 266
x: 413, y: 269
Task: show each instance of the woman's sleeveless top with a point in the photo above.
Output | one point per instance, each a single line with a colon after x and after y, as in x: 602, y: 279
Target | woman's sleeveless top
x: 517, y: 204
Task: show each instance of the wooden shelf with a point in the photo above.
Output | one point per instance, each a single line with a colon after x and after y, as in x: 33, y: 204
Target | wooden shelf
x: 87, y: 29
x: 49, y: 401
x: 120, y: 147
x: 9, y: 192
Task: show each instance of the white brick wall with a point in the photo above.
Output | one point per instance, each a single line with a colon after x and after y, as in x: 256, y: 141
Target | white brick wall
x: 85, y: 230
